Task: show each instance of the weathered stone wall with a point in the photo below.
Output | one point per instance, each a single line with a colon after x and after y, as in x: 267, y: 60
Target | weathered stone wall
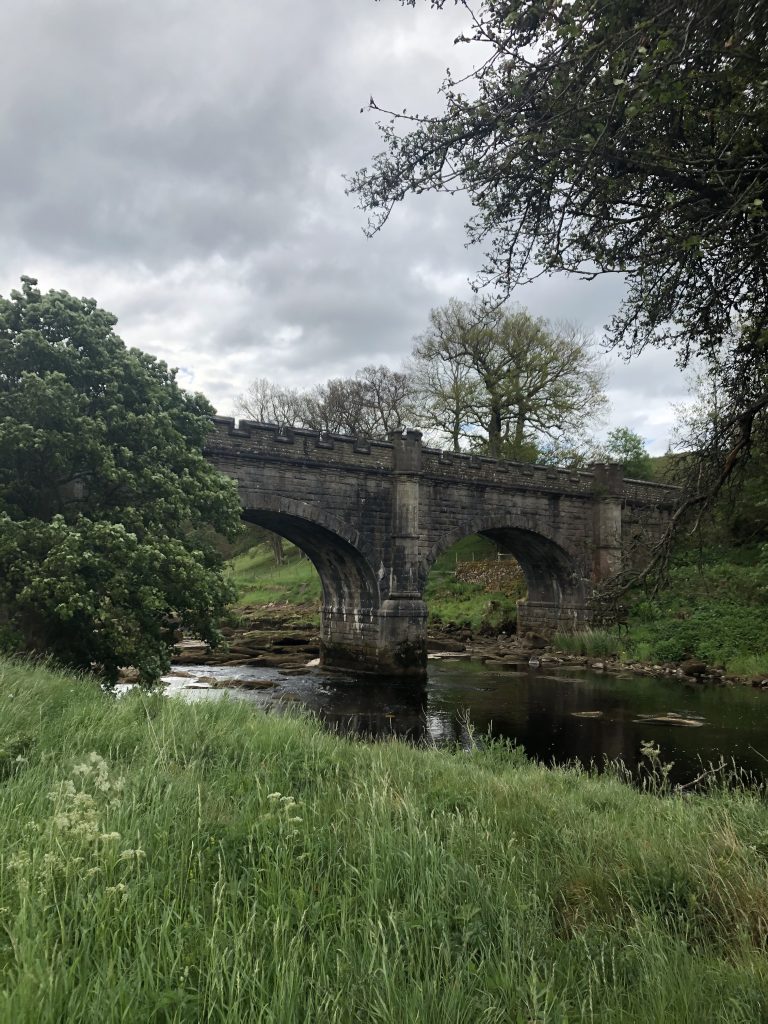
x: 374, y: 516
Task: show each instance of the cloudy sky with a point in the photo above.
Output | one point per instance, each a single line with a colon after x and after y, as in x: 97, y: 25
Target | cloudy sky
x: 181, y: 161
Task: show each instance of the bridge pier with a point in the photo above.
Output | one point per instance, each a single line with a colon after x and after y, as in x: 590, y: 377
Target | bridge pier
x: 390, y: 641
x: 403, y: 635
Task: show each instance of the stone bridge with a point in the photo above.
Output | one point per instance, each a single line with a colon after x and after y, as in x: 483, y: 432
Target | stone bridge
x: 374, y: 515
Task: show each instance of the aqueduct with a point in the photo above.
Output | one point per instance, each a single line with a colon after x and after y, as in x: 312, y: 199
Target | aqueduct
x: 374, y: 515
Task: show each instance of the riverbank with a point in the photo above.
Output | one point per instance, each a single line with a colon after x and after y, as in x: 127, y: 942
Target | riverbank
x: 186, y: 862
x: 286, y: 636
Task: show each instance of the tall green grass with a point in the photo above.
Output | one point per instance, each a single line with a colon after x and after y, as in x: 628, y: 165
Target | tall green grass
x: 167, y: 862
x: 596, y: 643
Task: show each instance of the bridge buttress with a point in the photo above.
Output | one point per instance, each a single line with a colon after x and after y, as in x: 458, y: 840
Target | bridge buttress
x: 608, y: 488
x: 403, y: 614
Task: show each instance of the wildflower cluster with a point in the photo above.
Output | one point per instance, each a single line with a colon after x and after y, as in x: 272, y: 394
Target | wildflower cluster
x: 73, y: 843
x: 284, y: 810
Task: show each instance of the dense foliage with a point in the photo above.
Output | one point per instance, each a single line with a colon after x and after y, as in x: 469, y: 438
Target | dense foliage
x: 714, y: 607
x: 104, y: 492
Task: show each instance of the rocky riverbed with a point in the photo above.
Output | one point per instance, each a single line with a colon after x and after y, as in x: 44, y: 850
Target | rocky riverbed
x: 285, y: 637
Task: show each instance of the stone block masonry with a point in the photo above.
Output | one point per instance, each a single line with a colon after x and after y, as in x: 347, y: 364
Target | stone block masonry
x: 374, y: 515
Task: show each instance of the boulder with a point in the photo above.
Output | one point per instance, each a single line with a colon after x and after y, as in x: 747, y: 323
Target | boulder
x: 535, y: 641
x: 693, y: 667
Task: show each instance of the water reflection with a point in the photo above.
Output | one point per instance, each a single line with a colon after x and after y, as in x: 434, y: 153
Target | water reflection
x: 541, y: 709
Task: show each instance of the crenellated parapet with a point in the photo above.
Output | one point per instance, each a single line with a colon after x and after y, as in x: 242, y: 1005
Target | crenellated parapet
x: 270, y: 440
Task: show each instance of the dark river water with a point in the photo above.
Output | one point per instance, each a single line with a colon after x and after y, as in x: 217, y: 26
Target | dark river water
x: 540, y: 709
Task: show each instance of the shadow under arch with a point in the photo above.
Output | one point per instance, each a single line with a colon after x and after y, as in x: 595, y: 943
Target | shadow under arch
x: 351, y: 596
x: 558, y: 589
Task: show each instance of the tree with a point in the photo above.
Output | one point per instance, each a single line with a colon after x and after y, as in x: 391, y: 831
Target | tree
x: 616, y: 137
x: 445, y: 385
x: 608, y: 137
x: 505, y: 380
x: 266, y: 402
x: 370, y: 404
x: 625, y: 446
x: 106, y: 500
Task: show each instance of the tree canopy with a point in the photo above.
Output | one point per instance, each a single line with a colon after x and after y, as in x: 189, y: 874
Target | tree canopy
x: 105, y: 496
x: 626, y: 136
x: 508, y: 383
x: 625, y: 446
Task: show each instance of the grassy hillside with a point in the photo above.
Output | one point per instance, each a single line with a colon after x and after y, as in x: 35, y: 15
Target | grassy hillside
x: 172, y: 862
x: 715, y: 607
x: 259, y: 580
x: 467, y: 604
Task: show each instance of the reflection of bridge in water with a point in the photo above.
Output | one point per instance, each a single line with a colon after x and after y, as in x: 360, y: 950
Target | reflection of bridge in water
x: 374, y: 515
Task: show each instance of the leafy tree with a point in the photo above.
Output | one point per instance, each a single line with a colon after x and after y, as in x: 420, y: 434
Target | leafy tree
x: 445, y: 386
x: 505, y: 380
x: 625, y: 446
x: 601, y: 137
x: 621, y: 136
x: 106, y: 499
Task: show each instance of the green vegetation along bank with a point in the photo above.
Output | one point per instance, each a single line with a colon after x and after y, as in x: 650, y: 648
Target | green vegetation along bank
x: 172, y: 862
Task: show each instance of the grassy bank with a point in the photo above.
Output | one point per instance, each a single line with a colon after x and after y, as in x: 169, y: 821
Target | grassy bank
x: 259, y: 580
x: 714, y: 608
x: 181, y: 863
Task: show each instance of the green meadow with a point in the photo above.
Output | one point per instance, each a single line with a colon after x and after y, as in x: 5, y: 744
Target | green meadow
x: 171, y: 862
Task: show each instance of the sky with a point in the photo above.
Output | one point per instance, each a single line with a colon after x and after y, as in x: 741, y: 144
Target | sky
x: 182, y: 162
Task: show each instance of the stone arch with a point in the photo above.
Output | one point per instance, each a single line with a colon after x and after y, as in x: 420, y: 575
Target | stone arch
x: 351, y: 594
x: 346, y: 575
x: 558, y: 589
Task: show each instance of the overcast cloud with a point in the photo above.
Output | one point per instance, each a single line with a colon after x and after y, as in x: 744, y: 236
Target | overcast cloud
x: 181, y: 161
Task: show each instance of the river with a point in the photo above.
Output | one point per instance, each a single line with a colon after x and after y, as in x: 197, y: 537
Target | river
x: 556, y: 714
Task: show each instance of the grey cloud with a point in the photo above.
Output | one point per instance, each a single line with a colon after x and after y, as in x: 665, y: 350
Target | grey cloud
x: 182, y: 162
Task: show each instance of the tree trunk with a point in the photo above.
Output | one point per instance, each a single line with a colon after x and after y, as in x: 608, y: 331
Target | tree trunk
x: 276, y: 543
x: 494, y: 431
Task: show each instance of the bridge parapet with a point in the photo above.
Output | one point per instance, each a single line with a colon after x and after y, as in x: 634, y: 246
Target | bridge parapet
x: 478, y: 469
x: 265, y: 440
x: 269, y: 440
x: 646, y: 492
